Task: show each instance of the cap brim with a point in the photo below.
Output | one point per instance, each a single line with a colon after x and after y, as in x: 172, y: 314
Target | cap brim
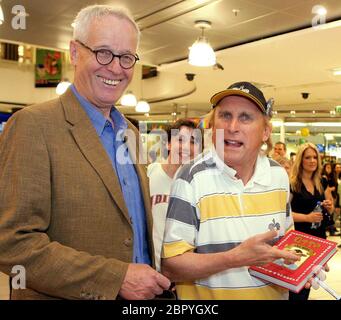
x: 231, y: 92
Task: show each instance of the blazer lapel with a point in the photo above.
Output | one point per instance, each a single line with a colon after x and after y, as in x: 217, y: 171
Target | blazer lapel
x: 90, y: 145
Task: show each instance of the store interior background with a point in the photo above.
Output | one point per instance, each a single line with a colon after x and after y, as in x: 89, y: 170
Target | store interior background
x: 271, y: 43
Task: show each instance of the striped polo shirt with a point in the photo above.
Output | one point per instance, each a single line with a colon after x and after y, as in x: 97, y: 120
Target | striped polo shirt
x: 210, y: 210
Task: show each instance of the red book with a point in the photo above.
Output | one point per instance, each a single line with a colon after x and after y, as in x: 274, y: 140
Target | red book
x: 314, y: 252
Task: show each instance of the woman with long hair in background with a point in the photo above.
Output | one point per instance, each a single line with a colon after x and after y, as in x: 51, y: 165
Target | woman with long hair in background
x: 306, y: 192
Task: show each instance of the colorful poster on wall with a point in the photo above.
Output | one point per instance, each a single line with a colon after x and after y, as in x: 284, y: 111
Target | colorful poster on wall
x: 48, y: 71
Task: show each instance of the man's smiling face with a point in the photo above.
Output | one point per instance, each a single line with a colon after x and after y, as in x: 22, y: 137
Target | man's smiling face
x: 104, y: 85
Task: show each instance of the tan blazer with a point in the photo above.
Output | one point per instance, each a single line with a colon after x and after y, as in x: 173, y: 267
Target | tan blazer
x: 62, y: 212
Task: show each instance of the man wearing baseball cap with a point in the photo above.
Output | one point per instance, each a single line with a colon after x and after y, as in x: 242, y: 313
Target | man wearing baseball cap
x: 228, y: 207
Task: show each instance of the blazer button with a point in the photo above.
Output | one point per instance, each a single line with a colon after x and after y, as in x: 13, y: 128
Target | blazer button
x: 128, y: 242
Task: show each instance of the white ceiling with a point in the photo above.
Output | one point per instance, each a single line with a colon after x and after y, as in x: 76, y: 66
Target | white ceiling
x: 255, y: 45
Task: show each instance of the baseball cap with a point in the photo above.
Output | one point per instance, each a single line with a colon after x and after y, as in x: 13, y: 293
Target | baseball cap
x: 247, y: 90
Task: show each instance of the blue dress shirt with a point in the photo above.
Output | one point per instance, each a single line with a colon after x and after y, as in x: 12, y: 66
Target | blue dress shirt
x: 112, y: 139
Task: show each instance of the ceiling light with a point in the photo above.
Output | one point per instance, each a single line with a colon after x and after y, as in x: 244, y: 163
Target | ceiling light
x: 21, y: 53
x: 294, y: 124
x: 2, y: 18
x: 142, y: 106
x: 62, y: 86
x: 235, y: 11
x: 201, y: 53
x: 277, y: 123
x: 129, y: 100
x: 312, y: 124
x: 337, y: 72
x: 326, y: 124
x: 322, y: 11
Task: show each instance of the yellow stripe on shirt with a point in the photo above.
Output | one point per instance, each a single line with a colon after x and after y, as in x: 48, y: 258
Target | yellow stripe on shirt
x: 219, y: 206
x: 189, y: 291
x: 176, y: 248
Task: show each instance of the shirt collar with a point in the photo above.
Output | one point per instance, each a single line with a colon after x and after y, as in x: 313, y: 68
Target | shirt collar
x: 260, y: 176
x: 97, y: 118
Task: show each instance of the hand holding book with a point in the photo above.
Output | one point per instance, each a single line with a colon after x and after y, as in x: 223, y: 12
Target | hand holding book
x: 257, y: 251
x: 314, y: 252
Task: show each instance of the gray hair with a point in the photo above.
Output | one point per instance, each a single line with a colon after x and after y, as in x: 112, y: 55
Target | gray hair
x: 88, y: 14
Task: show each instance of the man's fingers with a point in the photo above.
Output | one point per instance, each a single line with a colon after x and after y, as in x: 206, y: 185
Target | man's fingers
x: 314, y: 284
x: 267, y: 236
x: 162, y: 281
x: 158, y: 290
x: 289, y: 257
x: 321, y: 275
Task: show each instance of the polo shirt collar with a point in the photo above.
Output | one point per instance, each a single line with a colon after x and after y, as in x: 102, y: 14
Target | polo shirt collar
x: 260, y: 176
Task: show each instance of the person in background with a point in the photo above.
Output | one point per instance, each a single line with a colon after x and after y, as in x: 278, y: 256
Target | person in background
x: 337, y: 172
x: 329, y: 184
x: 280, y: 150
x: 222, y: 203
x: 292, y: 157
x: 184, y: 142
x: 74, y: 202
x: 306, y: 191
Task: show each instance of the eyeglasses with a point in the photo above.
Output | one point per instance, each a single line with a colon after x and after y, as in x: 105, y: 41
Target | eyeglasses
x: 105, y: 57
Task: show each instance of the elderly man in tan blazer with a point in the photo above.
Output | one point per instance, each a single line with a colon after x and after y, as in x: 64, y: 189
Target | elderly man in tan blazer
x: 65, y: 205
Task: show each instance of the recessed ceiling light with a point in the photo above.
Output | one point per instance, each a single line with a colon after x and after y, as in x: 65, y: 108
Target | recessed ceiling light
x: 235, y: 11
